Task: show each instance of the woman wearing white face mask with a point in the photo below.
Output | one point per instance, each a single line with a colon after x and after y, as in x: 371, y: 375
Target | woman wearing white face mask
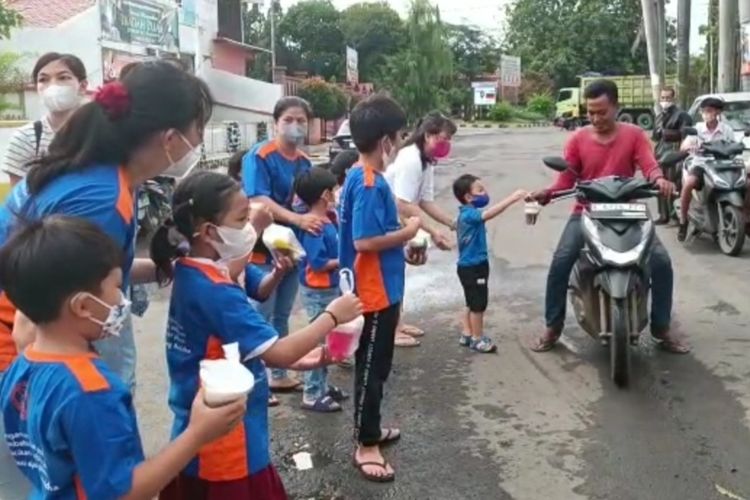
x: 60, y: 80
x: 268, y: 173
x: 142, y: 126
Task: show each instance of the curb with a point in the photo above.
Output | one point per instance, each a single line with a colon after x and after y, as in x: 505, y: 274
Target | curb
x: 507, y: 125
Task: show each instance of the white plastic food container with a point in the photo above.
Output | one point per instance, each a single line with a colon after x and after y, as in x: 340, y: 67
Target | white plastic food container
x: 225, y: 380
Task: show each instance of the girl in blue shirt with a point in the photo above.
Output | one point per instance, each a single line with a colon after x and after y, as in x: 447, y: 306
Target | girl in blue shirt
x: 268, y: 173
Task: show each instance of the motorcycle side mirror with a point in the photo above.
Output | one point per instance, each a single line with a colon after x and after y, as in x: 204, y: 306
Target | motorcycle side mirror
x: 556, y: 163
x: 673, y: 158
x: 688, y: 131
x: 747, y: 133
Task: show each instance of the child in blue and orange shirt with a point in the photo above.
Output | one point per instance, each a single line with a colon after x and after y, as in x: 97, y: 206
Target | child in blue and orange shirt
x: 473, y: 261
x: 372, y: 245
x: 69, y: 420
x: 319, y: 278
x: 210, y: 233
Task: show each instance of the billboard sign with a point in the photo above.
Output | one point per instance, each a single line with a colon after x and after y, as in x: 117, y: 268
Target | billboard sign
x: 485, y: 93
x: 352, y: 66
x: 510, y: 71
x: 141, y: 22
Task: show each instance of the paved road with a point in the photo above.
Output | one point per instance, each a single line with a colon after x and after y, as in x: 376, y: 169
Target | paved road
x: 522, y: 425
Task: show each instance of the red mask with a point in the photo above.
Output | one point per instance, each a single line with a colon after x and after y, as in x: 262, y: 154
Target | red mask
x: 441, y: 149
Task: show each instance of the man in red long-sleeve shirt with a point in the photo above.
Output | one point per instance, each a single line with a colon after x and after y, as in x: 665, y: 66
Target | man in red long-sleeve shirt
x: 605, y: 148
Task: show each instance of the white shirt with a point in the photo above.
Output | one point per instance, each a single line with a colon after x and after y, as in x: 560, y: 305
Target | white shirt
x: 22, y: 148
x: 722, y: 132
x: 408, y: 180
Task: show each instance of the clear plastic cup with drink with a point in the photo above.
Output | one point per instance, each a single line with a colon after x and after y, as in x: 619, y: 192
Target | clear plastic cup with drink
x: 531, y: 210
x: 342, y: 342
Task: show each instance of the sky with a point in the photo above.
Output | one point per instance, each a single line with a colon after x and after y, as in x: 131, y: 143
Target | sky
x: 489, y: 14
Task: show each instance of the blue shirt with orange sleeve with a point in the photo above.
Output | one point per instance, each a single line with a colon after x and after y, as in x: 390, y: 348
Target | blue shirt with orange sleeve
x: 207, y: 310
x: 70, y: 426
x: 320, y: 249
x: 367, y: 210
x: 266, y: 171
x: 100, y: 194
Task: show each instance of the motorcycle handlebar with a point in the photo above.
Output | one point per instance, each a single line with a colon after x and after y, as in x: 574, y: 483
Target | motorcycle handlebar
x: 647, y: 193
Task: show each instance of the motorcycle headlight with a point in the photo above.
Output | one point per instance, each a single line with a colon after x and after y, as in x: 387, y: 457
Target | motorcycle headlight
x: 743, y: 178
x: 614, y: 257
x: 718, y: 181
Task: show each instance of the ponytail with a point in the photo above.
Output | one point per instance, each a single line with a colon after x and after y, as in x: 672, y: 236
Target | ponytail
x: 234, y: 167
x: 202, y: 197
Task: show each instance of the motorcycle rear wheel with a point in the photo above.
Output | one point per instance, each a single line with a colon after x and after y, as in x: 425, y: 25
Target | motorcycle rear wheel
x: 619, y: 344
x: 731, y: 236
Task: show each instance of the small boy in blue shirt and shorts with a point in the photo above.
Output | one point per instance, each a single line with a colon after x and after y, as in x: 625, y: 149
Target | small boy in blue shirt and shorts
x: 473, y: 261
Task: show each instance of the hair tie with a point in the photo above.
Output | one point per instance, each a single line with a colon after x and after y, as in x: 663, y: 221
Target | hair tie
x: 114, y: 99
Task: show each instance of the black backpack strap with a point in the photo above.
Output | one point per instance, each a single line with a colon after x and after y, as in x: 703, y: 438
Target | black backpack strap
x: 38, y: 127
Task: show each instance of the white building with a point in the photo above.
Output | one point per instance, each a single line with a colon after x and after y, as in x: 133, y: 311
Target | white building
x: 108, y: 34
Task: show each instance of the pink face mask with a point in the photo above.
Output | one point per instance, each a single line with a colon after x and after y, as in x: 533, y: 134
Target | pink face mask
x: 441, y: 149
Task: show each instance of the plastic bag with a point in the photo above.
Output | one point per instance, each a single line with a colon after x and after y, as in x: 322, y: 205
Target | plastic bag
x: 225, y: 380
x: 283, y: 239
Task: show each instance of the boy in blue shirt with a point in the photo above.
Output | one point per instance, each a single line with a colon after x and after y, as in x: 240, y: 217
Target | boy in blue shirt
x: 319, y: 278
x: 473, y: 263
x: 372, y: 246
x: 69, y: 420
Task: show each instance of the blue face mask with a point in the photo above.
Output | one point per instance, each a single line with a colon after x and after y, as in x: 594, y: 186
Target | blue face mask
x: 481, y: 200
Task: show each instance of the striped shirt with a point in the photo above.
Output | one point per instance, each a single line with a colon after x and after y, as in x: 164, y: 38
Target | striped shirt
x: 22, y: 148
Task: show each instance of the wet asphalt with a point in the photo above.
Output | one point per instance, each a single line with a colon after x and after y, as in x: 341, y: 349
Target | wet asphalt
x: 520, y: 425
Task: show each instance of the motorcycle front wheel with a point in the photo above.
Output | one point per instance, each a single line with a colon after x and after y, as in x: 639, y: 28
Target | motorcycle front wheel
x: 619, y: 344
x: 731, y: 236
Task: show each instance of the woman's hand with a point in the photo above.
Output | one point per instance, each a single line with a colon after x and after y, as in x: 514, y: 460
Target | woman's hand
x: 282, y: 264
x: 260, y: 216
x: 310, y: 223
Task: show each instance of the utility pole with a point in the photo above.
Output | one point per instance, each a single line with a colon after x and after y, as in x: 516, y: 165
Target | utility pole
x: 661, y: 19
x: 683, y: 49
x: 728, y: 15
x: 273, y: 41
x: 651, y: 30
x: 745, y: 34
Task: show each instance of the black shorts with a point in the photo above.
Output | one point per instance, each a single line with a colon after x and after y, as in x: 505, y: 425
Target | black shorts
x: 474, y: 281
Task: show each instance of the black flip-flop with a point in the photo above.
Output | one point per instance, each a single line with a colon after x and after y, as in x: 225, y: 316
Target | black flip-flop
x: 388, y: 478
x: 326, y: 404
x: 337, y: 393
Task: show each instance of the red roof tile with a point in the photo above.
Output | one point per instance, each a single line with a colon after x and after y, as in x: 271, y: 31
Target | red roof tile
x: 48, y: 13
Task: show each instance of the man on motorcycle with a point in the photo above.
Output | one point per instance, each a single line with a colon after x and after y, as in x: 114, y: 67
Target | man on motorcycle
x: 668, y: 134
x: 605, y: 148
x: 712, y: 128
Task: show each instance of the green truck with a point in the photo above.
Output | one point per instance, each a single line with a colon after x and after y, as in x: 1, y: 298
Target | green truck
x: 636, y: 101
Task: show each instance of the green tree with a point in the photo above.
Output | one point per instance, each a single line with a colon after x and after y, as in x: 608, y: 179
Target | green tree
x: 258, y: 34
x: 327, y: 100
x: 9, y: 19
x: 375, y: 30
x: 12, y: 79
x: 564, y: 38
x: 418, y: 75
x: 311, y: 31
x: 475, y: 54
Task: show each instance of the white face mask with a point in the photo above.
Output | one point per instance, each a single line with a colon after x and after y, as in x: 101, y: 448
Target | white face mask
x: 236, y: 243
x: 112, y: 326
x: 59, y: 98
x: 666, y: 104
x: 184, y: 165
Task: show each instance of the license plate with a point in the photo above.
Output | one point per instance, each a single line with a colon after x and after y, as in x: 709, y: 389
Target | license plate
x: 618, y: 211
x: 618, y: 207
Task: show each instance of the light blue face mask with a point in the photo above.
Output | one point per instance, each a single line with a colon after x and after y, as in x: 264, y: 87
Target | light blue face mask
x: 294, y: 133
